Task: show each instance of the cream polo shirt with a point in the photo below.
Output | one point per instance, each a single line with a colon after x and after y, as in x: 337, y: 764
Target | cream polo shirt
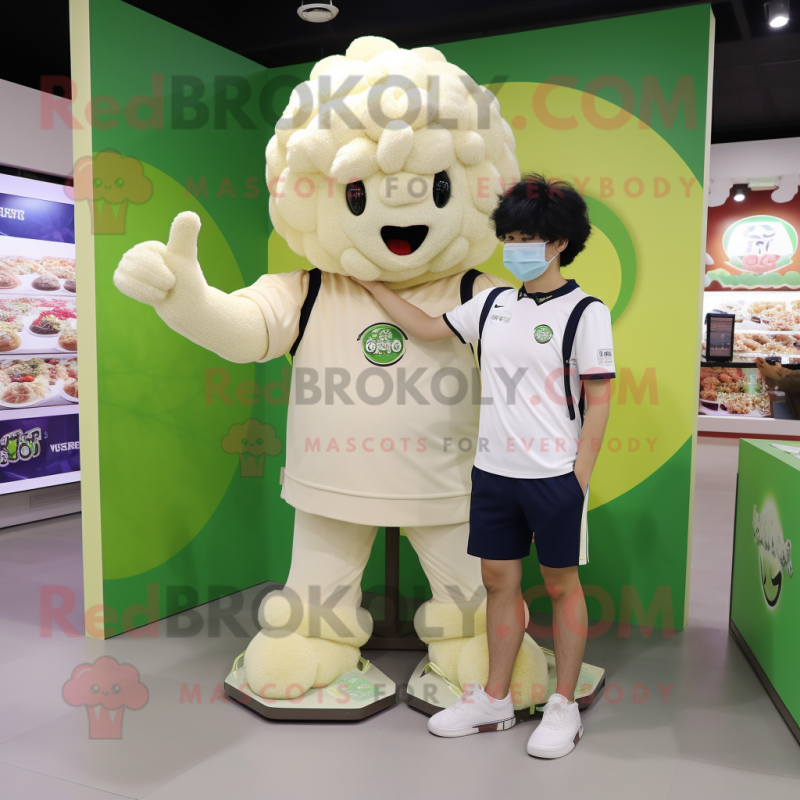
x: 382, y: 428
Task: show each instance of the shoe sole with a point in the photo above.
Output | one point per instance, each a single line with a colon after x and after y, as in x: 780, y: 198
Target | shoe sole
x: 566, y: 750
x: 502, y: 725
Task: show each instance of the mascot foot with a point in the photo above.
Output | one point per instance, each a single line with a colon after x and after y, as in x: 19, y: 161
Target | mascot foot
x: 466, y: 660
x: 282, y: 666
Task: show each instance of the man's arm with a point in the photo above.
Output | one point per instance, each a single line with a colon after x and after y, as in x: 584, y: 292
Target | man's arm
x: 787, y: 380
x: 598, y: 405
x: 407, y: 315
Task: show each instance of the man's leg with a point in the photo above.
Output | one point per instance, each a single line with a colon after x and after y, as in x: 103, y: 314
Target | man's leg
x: 505, y: 621
x: 453, y: 623
x: 480, y: 709
x: 570, y: 625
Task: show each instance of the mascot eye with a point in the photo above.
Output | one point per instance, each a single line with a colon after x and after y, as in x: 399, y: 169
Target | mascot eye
x: 94, y: 689
x: 441, y: 189
x: 116, y: 688
x: 356, y: 197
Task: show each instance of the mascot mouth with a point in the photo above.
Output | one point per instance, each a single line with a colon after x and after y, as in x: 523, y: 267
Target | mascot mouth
x: 403, y: 241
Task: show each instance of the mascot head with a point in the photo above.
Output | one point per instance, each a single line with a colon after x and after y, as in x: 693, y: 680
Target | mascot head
x: 387, y: 164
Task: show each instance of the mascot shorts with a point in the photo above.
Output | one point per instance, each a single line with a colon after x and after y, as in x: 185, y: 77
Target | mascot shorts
x: 506, y: 513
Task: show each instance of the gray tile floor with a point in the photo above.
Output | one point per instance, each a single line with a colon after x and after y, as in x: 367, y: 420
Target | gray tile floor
x: 717, y: 736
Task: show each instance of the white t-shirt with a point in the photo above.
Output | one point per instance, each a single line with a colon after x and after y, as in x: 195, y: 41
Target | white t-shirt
x: 525, y: 428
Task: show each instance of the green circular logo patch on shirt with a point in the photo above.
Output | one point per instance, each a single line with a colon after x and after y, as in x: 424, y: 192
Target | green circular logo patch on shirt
x: 543, y: 334
x: 383, y: 344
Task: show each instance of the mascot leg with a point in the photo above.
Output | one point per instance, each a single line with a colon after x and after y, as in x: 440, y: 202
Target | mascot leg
x: 453, y: 622
x: 313, y: 627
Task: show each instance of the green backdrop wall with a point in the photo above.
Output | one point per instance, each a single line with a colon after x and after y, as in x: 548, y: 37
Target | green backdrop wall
x: 187, y: 514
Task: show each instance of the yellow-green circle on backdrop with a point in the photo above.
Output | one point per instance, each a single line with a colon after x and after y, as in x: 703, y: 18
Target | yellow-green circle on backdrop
x: 661, y: 316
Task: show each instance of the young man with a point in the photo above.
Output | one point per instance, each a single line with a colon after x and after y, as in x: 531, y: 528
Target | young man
x: 534, y: 457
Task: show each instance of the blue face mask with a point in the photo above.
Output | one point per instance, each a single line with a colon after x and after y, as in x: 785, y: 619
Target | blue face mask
x: 525, y: 260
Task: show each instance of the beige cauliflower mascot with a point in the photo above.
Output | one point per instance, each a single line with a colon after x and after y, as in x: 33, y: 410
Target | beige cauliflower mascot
x: 386, y: 165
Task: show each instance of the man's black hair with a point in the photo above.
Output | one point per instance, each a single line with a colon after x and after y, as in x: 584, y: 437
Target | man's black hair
x: 548, y: 208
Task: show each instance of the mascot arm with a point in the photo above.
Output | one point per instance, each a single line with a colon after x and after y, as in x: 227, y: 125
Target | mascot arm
x: 169, y: 278
x: 279, y: 298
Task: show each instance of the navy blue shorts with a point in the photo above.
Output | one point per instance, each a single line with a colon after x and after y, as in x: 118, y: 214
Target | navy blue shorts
x: 506, y: 512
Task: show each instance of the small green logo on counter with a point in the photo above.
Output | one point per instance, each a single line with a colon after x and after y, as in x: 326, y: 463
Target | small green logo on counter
x: 775, y: 553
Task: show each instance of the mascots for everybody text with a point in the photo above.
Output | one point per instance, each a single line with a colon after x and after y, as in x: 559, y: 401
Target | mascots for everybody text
x: 386, y: 166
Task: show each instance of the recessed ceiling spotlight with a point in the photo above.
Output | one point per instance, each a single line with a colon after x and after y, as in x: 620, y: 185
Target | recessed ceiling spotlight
x: 777, y: 13
x: 740, y: 191
x: 318, y: 12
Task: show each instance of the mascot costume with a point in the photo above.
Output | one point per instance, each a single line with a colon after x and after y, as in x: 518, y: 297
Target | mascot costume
x: 386, y: 165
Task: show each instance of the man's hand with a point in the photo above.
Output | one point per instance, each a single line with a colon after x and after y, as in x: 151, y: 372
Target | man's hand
x: 583, y: 476
x: 772, y: 371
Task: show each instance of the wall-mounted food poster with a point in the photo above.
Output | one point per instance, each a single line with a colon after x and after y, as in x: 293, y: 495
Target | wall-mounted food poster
x: 39, y: 444
x: 752, y: 245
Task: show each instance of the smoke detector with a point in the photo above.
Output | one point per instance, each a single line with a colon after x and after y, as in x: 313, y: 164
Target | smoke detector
x: 763, y: 184
x: 317, y: 12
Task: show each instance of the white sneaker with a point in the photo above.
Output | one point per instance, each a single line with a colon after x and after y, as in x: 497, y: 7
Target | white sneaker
x: 473, y: 712
x: 559, y: 731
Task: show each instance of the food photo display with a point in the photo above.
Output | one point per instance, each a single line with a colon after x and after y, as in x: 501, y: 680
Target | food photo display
x: 38, y: 335
x: 733, y: 391
x: 37, y: 381
x: 37, y: 325
x: 49, y: 275
x: 767, y: 324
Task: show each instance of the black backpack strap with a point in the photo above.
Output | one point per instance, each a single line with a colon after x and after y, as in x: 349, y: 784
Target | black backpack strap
x: 566, y: 352
x: 487, y: 307
x: 468, y: 283
x: 314, y: 282
x: 467, y: 290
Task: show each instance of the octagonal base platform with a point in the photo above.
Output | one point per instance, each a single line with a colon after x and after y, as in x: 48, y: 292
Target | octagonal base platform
x: 355, y: 695
x: 429, y: 692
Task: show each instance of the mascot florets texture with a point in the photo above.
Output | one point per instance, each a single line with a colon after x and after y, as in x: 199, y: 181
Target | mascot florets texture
x: 385, y: 165
x: 392, y: 119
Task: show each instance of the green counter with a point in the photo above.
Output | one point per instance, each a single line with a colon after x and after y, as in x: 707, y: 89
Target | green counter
x: 765, y: 597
